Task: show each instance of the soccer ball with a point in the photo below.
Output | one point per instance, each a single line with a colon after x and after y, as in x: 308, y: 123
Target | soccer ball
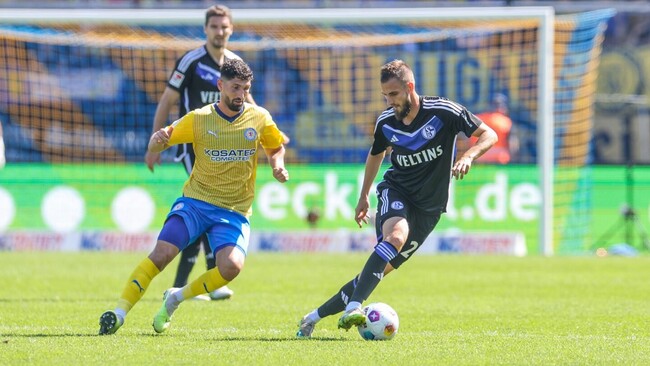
x: 381, y: 322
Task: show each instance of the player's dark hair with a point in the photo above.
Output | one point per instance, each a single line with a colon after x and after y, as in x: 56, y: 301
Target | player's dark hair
x: 217, y: 11
x: 235, y: 68
x: 395, y: 69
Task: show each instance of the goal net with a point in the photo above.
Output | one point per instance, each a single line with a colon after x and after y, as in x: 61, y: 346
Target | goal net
x: 80, y: 87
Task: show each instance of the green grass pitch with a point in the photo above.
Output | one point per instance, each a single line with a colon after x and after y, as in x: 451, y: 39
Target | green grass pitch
x: 454, y: 310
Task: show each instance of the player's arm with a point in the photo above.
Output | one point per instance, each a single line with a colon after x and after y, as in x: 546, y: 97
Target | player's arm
x: 276, y: 161
x: 373, y: 163
x: 486, y: 138
x: 159, y: 140
x: 168, y: 100
x: 380, y: 147
x: 272, y: 142
x: 180, y: 131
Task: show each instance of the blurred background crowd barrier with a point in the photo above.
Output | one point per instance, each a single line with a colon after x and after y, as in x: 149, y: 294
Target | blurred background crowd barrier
x: 77, y: 102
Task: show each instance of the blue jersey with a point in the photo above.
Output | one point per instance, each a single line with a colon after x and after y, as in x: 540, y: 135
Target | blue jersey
x: 423, y: 151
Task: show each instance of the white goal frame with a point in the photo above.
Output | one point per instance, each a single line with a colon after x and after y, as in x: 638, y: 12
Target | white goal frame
x: 545, y: 15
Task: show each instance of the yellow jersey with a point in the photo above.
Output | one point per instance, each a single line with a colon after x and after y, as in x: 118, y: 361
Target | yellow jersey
x: 226, y: 153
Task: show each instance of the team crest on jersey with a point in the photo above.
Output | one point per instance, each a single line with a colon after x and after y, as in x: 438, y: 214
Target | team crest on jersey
x: 178, y: 206
x: 250, y: 134
x: 397, y: 205
x: 176, y: 79
x: 428, y: 132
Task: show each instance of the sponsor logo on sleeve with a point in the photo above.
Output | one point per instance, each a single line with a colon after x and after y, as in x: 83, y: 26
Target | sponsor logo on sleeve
x: 176, y: 79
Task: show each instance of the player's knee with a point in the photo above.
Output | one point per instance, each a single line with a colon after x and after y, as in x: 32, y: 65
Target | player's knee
x: 163, y: 254
x: 396, y: 239
x: 230, y: 261
x: 396, y: 231
x: 230, y: 269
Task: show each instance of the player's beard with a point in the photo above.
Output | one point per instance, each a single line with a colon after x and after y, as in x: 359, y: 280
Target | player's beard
x: 405, y: 109
x: 234, y: 105
x: 219, y: 41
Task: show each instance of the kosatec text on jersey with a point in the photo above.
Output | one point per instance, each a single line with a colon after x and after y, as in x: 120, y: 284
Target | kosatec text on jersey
x: 229, y: 154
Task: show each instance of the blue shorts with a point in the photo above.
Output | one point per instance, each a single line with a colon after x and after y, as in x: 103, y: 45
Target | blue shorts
x: 222, y: 227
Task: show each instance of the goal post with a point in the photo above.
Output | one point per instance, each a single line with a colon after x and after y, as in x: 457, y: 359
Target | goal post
x: 325, y: 62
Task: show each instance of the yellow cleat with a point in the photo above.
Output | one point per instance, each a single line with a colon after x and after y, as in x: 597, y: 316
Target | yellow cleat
x: 354, y: 317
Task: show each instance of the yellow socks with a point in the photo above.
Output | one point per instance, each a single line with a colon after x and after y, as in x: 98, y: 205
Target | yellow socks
x: 207, y: 282
x: 137, y: 284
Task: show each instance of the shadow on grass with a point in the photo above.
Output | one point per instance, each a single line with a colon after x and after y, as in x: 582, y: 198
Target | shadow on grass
x: 260, y: 339
x: 43, y: 335
x: 74, y: 300
x: 218, y: 339
x: 279, y: 339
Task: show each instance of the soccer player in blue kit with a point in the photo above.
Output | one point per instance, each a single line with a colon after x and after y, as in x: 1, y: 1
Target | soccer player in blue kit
x: 419, y: 133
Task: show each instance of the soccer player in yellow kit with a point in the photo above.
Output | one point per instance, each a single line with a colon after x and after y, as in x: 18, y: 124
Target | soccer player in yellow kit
x: 217, y: 197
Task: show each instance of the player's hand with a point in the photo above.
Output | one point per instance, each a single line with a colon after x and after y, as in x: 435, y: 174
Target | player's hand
x: 361, y: 212
x: 461, y: 167
x: 280, y: 174
x: 151, y: 159
x: 160, y: 139
x: 163, y: 135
